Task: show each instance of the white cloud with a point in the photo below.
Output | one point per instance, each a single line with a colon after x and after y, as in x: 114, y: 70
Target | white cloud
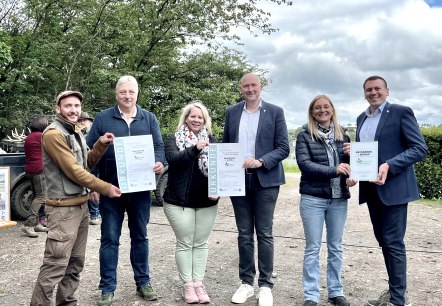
x: 331, y: 47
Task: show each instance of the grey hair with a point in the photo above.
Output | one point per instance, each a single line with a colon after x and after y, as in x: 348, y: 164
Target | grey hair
x: 126, y: 79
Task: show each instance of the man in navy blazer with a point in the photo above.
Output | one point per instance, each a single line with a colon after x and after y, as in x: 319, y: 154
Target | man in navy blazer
x: 261, y: 128
x: 400, y: 146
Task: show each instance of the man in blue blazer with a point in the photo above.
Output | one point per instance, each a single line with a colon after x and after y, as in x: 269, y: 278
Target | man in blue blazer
x: 261, y: 128
x: 400, y: 146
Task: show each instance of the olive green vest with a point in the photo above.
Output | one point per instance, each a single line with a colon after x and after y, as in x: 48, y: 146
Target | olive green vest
x: 58, y: 185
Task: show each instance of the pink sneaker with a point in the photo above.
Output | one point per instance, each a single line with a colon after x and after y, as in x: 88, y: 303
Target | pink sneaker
x: 189, y: 294
x: 201, y: 293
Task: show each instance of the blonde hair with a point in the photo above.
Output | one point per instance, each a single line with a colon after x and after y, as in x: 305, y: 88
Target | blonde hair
x: 186, y: 111
x: 312, y: 126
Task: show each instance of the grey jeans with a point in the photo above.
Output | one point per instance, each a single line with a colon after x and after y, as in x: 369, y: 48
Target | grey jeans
x: 39, y: 186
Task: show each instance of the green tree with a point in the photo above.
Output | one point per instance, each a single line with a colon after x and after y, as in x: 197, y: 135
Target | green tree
x: 87, y: 44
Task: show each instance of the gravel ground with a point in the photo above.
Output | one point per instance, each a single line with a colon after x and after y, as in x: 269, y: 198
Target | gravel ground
x: 364, y: 274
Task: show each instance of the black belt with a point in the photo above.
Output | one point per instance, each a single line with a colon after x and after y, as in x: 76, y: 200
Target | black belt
x: 250, y: 171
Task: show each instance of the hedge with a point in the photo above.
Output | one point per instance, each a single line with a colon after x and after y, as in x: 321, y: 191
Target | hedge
x: 429, y: 171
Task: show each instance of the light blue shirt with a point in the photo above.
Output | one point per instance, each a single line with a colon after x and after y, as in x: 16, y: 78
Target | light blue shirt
x: 368, y: 128
x: 248, y: 127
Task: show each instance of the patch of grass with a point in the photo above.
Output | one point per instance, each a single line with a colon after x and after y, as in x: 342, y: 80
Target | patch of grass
x: 290, y: 166
x: 430, y: 202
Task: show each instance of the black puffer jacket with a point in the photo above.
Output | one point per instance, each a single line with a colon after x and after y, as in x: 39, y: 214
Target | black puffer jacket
x: 186, y: 184
x: 316, y: 172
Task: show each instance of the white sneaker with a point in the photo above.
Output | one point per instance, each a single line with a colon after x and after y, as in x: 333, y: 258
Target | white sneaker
x: 265, y: 297
x: 40, y: 228
x: 242, y: 294
x: 29, y: 231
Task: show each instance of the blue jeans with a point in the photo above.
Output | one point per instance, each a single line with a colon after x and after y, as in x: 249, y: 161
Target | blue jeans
x: 314, y: 212
x: 94, y: 211
x: 254, y: 211
x: 41, y: 213
x: 137, y: 205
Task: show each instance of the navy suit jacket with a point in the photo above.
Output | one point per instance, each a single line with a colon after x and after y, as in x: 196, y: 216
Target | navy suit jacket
x: 271, y: 144
x: 400, y: 145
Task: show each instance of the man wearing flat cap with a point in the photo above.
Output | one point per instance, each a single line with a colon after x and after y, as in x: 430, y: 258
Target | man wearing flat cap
x: 66, y: 162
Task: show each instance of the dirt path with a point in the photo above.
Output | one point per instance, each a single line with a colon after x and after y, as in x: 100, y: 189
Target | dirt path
x: 363, y: 273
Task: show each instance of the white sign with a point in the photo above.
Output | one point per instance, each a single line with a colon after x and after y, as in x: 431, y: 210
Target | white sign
x: 226, y: 174
x: 364, y: 160
x: 135, y: 159
x: 5, y: 207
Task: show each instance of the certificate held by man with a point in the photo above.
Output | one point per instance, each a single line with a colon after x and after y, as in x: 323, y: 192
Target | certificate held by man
x: 226, y: 174
x: 135, y: 159
x: 364, y: 160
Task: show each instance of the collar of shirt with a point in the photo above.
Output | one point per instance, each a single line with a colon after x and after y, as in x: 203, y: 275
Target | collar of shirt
x: 378, y: 110
x: 128, y: 120
x: 252, y: 111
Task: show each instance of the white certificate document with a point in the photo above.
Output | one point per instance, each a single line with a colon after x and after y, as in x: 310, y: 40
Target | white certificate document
x: 5, y: 204
x: 364, y: 160
x: 135, y: 159
x: 226, y: 174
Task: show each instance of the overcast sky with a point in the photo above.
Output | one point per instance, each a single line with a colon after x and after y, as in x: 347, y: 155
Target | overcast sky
x: 331, y: 46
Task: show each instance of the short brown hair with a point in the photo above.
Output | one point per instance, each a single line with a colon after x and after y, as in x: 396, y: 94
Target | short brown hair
x: 374, y: 78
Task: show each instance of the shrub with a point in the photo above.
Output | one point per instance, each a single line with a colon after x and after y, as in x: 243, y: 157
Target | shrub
x: 429, y: 171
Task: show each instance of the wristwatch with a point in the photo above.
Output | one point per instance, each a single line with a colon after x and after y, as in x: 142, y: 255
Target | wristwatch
x: 262, y: 162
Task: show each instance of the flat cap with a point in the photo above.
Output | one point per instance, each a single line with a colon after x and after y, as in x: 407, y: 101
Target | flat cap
x: 68, y: 93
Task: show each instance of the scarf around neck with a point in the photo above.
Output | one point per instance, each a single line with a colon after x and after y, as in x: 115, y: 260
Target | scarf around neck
x: 329, y: 138
x: 327, y: 134
x: 185, y: 138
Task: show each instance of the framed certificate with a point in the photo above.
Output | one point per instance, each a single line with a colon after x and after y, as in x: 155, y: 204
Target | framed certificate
x: 226, y: 174
x: 364, y: 160
x: 135, y: 159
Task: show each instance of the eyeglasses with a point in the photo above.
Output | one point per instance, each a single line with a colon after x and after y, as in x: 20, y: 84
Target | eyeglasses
x: 325, y: 107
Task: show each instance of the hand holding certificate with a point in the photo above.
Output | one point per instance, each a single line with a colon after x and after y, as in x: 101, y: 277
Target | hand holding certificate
x: 364, y: 160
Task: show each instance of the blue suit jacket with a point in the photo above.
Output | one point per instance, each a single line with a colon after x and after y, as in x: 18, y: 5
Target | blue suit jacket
x: 271, y: 144
x: 400, y: 145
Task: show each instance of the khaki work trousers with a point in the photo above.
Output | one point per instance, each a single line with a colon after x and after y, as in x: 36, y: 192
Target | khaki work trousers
x: 64, y: 255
